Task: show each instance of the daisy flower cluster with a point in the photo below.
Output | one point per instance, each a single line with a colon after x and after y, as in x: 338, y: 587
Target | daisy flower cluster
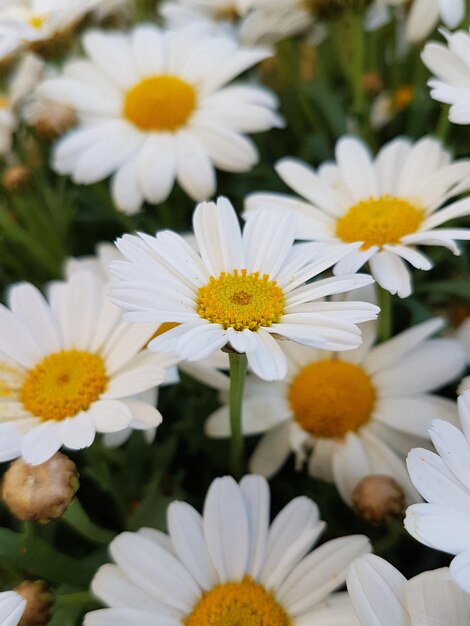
x: 235, y: 313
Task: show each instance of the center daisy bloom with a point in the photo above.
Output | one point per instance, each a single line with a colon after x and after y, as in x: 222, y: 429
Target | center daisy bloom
x: 381, y: 596
x: 228, y: 567
x: 245, y: 291
x: 388, y: 204
x: 354, y: 413
x: 70, y: 368
x: 154, y: 106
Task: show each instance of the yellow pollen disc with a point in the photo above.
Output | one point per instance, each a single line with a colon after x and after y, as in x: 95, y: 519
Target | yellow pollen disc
x: 330, y: 398
x: 378, y: 221
x: 37, y: 21
x: 4, y: 102
x: 63, y: 384
x: 241, y: 300
x: 160, y: 103
x: 246, y: 603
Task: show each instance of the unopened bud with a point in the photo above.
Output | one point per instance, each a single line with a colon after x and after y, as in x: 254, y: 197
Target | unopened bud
x: 372, y: 82
x: 16, y: 177
x: 52, y: 119
x: 378, y: 498
x: 39, y: 599
x: 40, y: 492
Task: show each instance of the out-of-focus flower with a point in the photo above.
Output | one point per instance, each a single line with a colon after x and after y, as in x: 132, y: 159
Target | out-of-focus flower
x: 443, y: 480
x: 388, y: 104
x: 425, y: 15
x: 351, y: 414
x: 40, y: 492
x: 389, y: 205
x: 155, y: 106
x: 69, y: 369
x: 451, y: 66
x: 33, y: 22
x: 381, y: 596
x: 244, y: 290
x: 22, y: 83
x: 229, y: 566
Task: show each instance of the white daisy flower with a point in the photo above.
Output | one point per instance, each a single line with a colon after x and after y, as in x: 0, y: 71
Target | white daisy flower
x: 451, y: 66
x: 99, y: 265
x: 229, y: 566
x: 425, y: 15
x: 155, y: 106
x: 246, y: 291
x: 12, y: 607
x: 69, y: 368
x: 382, y: 596
x: 31, y: 22
x: 351, y: 414
x: 23, y: 81
x: 443, y: 480
x: 389, y: 204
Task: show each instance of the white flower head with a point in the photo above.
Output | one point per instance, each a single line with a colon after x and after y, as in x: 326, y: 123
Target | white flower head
x: 382, y: 596
x: 69, y: 367
x: 21, y: 85
x: 450, y: 65
x: 389, y: 205
x: 12, y: 607
x: 244, y: 290
x: 25, y: 22
x: 350, y: 414
x: 229, y: 566
x: 443, y: 479
x: 156, y: 106
x: 425, y: 15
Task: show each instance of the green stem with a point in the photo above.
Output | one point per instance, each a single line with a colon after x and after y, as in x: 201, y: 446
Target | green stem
x: 238, y: 366
x: 443, y: 124
x: 79, y: 598
x: 357, y: 65
x: 76, y: 517
x: 384, y: 301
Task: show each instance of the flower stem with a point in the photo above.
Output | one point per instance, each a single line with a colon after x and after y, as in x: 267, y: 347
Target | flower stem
x: 357, y: 66
x: 238, y: 366
x: 384, y: 301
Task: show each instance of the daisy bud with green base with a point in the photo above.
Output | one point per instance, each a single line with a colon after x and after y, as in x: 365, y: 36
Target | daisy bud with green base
x: 39, y: 599
x: 378, y: 498
x: 40, y: 492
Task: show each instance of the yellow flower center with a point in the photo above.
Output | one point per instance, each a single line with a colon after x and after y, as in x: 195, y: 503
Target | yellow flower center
x: 378, y: 221
x: 37, y: 21
x: 160, y: 103
x: 4, y: 102
x: 63, y: 384
x: 330, y: 398
x: 241, y: 300
x: 402, y: 96
x: 246, y: 603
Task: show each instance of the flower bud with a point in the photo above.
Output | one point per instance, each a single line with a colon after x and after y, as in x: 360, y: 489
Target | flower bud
x: 39, y: 599
x: 51, y: 119
x: 378, y: 498
x: 40, y: 492
x: 16, y: 177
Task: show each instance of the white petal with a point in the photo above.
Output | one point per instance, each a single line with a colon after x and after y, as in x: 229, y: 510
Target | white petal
x: 226, y: 529
x: 41, y: 443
